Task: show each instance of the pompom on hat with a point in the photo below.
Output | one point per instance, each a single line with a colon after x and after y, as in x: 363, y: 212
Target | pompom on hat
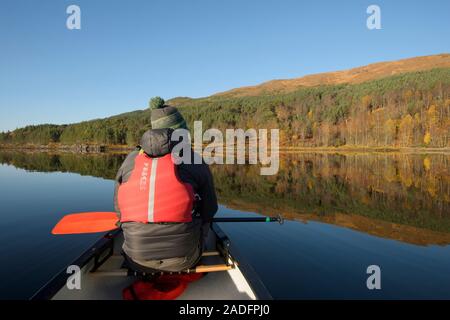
x: 165, y: 116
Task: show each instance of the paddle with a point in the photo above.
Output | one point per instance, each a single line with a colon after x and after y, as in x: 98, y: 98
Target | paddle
x: 86, y: 222
x: 91, y: 222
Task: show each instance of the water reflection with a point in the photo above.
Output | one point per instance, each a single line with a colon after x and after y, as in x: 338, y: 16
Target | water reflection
x: 397, y: 196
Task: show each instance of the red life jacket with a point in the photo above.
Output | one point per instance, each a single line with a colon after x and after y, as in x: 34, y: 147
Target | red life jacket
x: 153, y: 193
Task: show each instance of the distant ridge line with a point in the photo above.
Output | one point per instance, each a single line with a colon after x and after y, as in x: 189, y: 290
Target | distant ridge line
x: 355, y: 75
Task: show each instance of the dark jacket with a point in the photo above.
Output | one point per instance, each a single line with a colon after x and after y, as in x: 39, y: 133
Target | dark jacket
x: 155, y: 241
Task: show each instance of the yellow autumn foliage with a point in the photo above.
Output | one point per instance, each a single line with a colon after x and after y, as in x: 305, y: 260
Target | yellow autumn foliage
x: 427, y: 138
x: 427, y: 163
x: 432, y: 115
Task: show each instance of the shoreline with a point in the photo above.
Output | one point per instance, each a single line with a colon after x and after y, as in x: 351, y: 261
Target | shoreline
x: 95, y: 148
x: 349, y: 149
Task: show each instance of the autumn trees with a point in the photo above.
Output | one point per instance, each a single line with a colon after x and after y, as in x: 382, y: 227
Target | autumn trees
x: 407, y: 110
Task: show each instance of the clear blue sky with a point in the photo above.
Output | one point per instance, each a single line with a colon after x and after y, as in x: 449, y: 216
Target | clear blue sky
x: 129, y: 51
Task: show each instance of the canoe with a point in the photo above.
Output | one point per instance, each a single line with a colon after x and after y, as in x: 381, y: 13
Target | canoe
x: 103, y: 275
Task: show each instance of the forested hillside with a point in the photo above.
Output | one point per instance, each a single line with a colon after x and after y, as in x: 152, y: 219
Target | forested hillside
x: 411, y: 109
x: 406, y: 110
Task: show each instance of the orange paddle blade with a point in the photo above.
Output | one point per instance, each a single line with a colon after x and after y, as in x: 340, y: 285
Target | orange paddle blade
x: 86, y: 222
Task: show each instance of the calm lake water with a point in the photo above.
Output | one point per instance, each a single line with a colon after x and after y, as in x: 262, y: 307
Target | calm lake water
x: 345, y: 212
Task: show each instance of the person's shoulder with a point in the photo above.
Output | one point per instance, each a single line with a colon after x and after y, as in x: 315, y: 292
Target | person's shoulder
x: 131, y: 156
x: 135, y: 152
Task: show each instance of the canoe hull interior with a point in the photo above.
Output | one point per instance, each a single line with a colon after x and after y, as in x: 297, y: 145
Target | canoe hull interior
x: 102, y: 276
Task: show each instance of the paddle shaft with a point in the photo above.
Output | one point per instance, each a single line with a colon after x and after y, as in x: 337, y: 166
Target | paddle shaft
x: 248, y: 219
x: 90, y: 222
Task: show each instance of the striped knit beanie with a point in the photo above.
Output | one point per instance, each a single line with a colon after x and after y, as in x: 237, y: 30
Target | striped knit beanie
x: 164, y: 116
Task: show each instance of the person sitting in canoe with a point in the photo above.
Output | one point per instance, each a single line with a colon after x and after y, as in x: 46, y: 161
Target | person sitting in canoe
x: 154, y: 199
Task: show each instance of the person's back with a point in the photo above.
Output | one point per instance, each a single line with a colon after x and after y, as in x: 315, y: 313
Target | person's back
x: 154, y: 201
